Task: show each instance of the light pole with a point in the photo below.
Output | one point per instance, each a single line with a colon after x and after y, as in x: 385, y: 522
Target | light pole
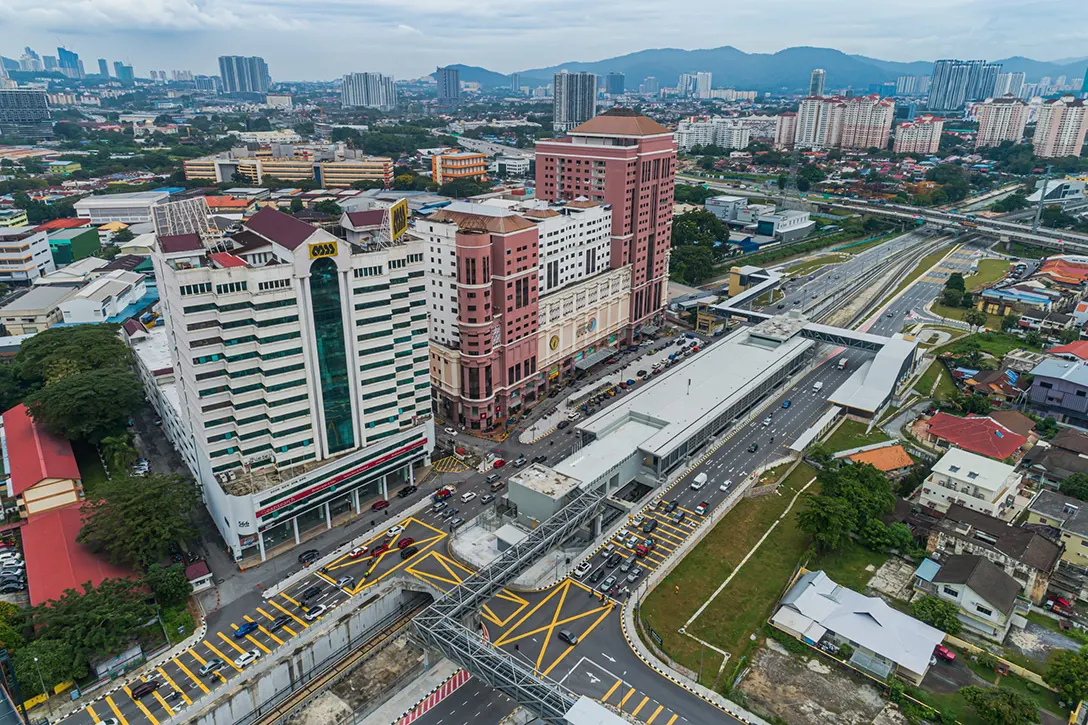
x: 45, y: 692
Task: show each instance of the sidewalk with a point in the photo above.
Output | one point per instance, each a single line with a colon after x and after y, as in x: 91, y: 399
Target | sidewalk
x: 397, y: 706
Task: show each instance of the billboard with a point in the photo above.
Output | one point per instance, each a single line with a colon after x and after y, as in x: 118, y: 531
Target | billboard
x: 398, y: 218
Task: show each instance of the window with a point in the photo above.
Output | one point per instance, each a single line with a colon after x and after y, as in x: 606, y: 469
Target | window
x: 950, y: 591
x: 230, y: 288
x: 368, y: 272
x: 273, y: 284
x: 195, y: 289
x: 983, y: 610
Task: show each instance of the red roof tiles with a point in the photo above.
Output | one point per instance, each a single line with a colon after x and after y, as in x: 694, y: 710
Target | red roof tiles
x: 1077, y: 349
x: 282, y: 229
x: 34, y: 453
x: 977, y: 434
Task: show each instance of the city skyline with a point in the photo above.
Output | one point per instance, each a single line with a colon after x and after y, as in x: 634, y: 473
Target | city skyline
x: 190, y: 34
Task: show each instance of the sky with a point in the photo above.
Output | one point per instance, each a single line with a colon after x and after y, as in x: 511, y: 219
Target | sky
x: 323, y: 39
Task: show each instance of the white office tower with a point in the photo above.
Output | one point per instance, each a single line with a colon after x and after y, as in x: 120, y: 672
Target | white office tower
x: 369, y: 90
x: 575, y: 99
x: 816, y: 82
x: 300, y: 372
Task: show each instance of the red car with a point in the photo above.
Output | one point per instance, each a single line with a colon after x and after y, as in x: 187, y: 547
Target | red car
x: 380, y: 547
x: 406, y: 541
x: 944, y: 653
x: 379, y: 505
x: 499, y: 463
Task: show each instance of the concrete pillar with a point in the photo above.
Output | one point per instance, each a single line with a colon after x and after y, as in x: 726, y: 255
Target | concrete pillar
x: 294, y: 523
x: 385, y: 487
x: 598, y: 520
x: 355, y: 502
x: 260, y: 545
x: 328, y: 516
x: 411, y: 475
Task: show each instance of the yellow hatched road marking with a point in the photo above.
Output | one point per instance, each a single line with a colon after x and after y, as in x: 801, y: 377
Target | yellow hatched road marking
x: 143, y: 707
x: 116, y: 712
x: 289, y: 614
x: 626, y: 698
x: 190, y: 675
x: 672, y: 720
x: 611, y: 690
x: 173, y: 684
x: 169, y: 710
x: 655, y: 714
x: 274, y: 638
x: 221, y: 656
x: 231, y: 642
x: 203, y: 661
x: 555, y: 618
x: 568, y: 650
x: 641, y: 705
x: 93, y: 714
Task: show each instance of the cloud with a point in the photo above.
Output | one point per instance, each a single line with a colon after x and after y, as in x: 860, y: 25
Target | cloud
x: 86, y: 16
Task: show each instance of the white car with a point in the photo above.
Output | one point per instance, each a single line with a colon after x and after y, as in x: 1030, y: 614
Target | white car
x: 573, y: 415
x: 582, y: 569
x: 466, y: 497
x: 393, y: 531
x: 10, y: 556
x: 725, y: 486
x: 315, y: 612
x: 449, y: 431
x: 247, y: 659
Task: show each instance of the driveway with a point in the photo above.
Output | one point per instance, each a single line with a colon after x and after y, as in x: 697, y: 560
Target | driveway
x: 947, y: 678
x: 1036, y: 641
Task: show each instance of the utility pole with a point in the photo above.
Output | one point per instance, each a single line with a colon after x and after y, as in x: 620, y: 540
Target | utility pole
x: 1042, y: 199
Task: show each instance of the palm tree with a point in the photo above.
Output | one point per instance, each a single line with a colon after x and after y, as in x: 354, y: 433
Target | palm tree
x: 118, y: 452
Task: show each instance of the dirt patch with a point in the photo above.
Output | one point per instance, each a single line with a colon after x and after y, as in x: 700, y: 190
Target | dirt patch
x: 893, y: 579
x: 809, y: 691
x: 366, y: 686
x: 1037, y: 642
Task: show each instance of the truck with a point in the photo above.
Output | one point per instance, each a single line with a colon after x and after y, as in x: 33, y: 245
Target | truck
x: 817, y: 386
x: 842, y: 363
x: 443, y: 493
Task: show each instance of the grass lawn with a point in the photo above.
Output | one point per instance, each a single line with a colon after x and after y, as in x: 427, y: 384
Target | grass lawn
x: 859, y: 248
x: 1044, y: 621
x: 920, y: 269
x: 1044, y: 698
x: 956, y: 313
x: 814, y: 264
x: 997, y: 344
x: 90, y: 465
x: 989, y: 270
x: 847, y: 566
x: 945, y: 387
x: 851, y: 434
x: 744, y: 605
x: 1022, y: 250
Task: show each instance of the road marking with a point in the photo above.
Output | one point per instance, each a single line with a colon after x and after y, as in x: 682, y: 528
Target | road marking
x: 555, y: 618
x: 505, y: 638
x: 93, y: 714
x: 190, y: 675
x: 288, y: 598
x: 231, y: 642
x: 143, y: 707
x: 626, y: 698
x: 203, y: 661
x: 568, y: 650
x: 289, y: 614
x: 672, y: 720
x: 174, y: 685
x: 169, y: 710
x: 273, y: 637
x: 116, y: 712
x: 251, y: 638
x: 611, y: 690
x: 222, y: 656
x: 640, y: 706
x: 656, y: 712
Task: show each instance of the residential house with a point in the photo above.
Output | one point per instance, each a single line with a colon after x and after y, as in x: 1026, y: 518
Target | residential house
x: 1059, y: 388
x: 976, y: 433
x: 1064, y: 518
x: 1025, y: 554
x: 987, y: 597
x: 1076, y: 351
x: 971, y: 480
x: 891, y: 460
x: 36, y: 310
x: 884, y: 640
x: 1018, y: 423
x: 44, y: 474
x: 1051, y: 462
x: 1048, y: 324
x: 1000, y: 386
x: 1022, y: 361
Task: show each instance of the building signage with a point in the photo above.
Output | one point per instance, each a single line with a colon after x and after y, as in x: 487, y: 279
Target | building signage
x: 398, y: 219
x: 655, y: 636
x: 322, y: 249
x: 554, y: 373
x: 339, y: 478
x: 554, y: 342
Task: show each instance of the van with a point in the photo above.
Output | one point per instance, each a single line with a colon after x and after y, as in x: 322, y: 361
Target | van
x: 817, y: 387
x: 497, y: 485
x: 699, y: 482
x: 492, y: 478
x: 842, y: 363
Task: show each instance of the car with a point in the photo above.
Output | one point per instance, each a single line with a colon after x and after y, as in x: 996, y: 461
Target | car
x: 786, y: 403
x: 753, y: 448
x: 701, y: 508
x: 726, y: 485
x: 12, y: 587
x: 889, y: 314
x: 582, y: 569
x: 449, y: 431
x: 144, y: 689
x: 641, y: 373
x: 499, y: 463
x: 678, y: 517
x: 407, y: 491
x: 457, y: 523
x: 380, y: 548
x: 567, y: 636
x: 357, y: 552
x: 312, y: 592
x: 645, y: 547
x: 405, y: 542
x: 562, y: 424
x: 671, y: 507
x: 597, y: 576
x: 6, y: 556
x: 308, y: 557
x: 345, y: 581
x: 468, y: 496
x: 486, y: 498
x: 245, y: 628
x: 573, y: 415
x: 630, y: 540
x: 279, y: 622
x: 408, y: 552
x: 944, y: 653
x: 109, y: 721
x: 613, y: 561
x: 450, y: 513
x: 521, y: 461
x: 211, y: 666
x: 253, y: 655
x: 438, y: 506
x: 607, y: 584
x: 539, y: 459
x: 393, y: 531
x: 626, y: 565
x: 314, y: 612
x: 636, y: 572
x: 379, y: 505
x: 767, y: 421
x: 649, y: 526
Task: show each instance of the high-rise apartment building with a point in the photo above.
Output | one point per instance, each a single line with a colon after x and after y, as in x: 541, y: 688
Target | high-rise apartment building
x: 515, y: 83
x: 702, y: 84
x: 575, y: 99
x: 920, y: 136
x: 103, y: 68
x: 1000, y: 119
x: 982, y: 86
x: 300, y: 384
x: 615, y: 84
x: 369, y: 90
x: 1009, y: 84
x: 814, y: 126
x: 1084, y: 84
x: 785, y: 131
x: 650, y: 86
x: 627, y: 161
x: 906, y: 85
x: 243, y: 74
x: 816, y: 82
x: 729, y: 133
x: 68, y: 63
x: 1060, y: 127
x: 520, y: 298
x: 866, y: 122
x: 685, y: 86
x: 49, y: 62
x: 449, y: 84
x: 24, y: 113
x: 124, y: 73
x: 954, y: 82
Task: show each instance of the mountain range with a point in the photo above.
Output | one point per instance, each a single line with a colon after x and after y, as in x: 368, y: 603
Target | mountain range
x: 786, y: 70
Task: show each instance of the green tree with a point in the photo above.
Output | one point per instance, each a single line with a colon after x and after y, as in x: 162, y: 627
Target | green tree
x: 296, y: 206
x: 951, y: 297
x: 691, y: 264
x: 86, y: 405
x: 803, y: 184
x: 1067, y: 672
x: 462, y: 188
x: 59, y: 351
x: 782, y: 181
x: 328, y: 206
x: 1047, y: 427
x: 1076, y: 486
x: 866, y: 490
x: 122, y: 236
x: 138, y: 521
x: 975, y: 318
x: 939, y: 613
x: 1010, y: 321
x: 1069, y: 335
x: 955, y: 281
x: 820, y: 454
x: 367, y: 184
x: 118, y: 452
x: 1000, y: 705
x: 828, y: 520
x: 169, y: 584
x: 51, y: 661
x: 1032, y: 338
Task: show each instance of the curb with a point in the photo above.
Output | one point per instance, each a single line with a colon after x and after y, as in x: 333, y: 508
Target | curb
x: 459, y: 678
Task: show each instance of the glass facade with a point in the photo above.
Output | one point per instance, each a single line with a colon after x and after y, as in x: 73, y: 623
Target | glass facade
x: 331, y: 354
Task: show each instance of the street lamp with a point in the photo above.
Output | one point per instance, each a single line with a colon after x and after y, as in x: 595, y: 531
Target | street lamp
x: 45, y: 692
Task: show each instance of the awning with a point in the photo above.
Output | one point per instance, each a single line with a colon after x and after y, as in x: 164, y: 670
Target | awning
x: 590, y: 360
x: 649, y: 330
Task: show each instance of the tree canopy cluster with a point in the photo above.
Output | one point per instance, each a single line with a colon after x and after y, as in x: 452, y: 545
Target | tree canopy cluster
x: 698, y: 242
x: 852, y: 500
